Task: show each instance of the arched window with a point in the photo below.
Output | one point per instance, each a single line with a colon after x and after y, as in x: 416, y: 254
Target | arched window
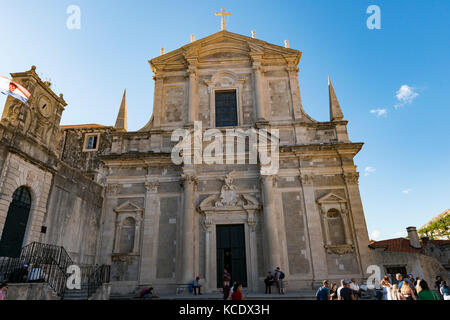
x: 127, y: 234
x: 335, y: 227
x: 16, y: 223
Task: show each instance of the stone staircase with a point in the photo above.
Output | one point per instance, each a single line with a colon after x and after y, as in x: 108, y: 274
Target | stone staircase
x: 77, y: 294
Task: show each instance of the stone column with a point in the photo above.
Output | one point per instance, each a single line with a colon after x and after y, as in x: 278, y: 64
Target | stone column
x: 259, y: 98
x: 193, y: 83
x: 187, y: 230
x: 270, y: 224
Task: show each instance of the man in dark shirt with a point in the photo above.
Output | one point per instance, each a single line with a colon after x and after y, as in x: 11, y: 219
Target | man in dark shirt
x: 346, y: 293
x: 269, y: 281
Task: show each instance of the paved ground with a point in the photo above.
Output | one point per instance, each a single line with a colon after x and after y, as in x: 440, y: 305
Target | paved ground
x: 304, y: 295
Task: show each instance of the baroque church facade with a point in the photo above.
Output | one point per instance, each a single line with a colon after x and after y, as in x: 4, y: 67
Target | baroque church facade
x: 110, y: 196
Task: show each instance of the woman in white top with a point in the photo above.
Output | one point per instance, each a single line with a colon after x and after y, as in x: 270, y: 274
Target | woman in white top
x: 387, y: 288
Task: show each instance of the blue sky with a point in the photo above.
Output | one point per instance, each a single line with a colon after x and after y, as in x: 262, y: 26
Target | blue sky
x: 404, y: 164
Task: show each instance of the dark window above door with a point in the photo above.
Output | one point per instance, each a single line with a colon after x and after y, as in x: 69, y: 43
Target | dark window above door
x: 226, y: 108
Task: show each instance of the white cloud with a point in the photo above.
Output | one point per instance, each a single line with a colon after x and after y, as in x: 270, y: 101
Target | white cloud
x: 375, y: 235
x: 406, y: 191
x: 405, y: 95
x: 379, y: 112
x: 369, y: 170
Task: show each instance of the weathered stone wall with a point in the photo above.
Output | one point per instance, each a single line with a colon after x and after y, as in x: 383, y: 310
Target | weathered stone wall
x: 74, y: 214
x: 31, y: 291
x: 71, y: 143
x: 419, y: 265
x: 17, y: 172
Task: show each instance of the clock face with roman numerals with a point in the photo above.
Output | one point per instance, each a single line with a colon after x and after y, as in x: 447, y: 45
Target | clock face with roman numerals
x: 45, y: 106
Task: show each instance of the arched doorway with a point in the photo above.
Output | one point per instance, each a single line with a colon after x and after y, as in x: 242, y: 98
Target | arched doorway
x: 16, y: 223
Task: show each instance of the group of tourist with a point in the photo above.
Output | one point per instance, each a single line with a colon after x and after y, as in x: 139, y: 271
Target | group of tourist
x: 348, y: 290
x: 410, y: 288
x: 231, y: 292
x: 399, y: 288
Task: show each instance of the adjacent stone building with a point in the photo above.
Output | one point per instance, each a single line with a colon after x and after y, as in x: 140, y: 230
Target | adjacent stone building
x: 117, y: 197
x: 422, y: 258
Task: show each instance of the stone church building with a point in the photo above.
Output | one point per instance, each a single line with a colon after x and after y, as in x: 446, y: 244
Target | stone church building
x: 110, y: 196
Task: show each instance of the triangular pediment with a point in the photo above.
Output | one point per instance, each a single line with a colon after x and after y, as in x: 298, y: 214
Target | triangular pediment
x: 331, y: 198
x: 128, y: 206
x: 221, y: 46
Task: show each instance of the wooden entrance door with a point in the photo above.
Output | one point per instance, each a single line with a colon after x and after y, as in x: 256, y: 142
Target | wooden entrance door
x: 231, y: 253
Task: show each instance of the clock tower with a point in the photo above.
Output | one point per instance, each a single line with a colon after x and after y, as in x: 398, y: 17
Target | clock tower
x: 39, y: 118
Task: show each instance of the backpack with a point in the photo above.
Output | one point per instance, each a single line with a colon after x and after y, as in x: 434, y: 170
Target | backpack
x: 281, y: 275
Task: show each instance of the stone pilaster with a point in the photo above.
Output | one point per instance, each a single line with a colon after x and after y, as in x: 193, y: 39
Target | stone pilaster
x: 295, y: 90
x: 187, y: 228
x: 109, y: 221
x: 259, y: 97
x: 193, y: 84
x: 316, y: 241
x: 150, y: 234
x: 270, y: 224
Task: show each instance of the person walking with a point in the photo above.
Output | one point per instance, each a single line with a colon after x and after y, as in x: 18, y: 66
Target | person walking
x: 437, y: 286
x: 396, y: 294
x: 424, y: 292
x: 237, y: 293
x: 445, y: 291
x: 3, y: 291
x: 323, y: 293
x: 340, y: 288
x: 279, y: 276
x: 269, y: 280
x: 407, y: 291
x: 346, y: 293
x: 355, y: 288
x: 226, y: 284
x: 387, y: 288
x: 333, y: 292
x: 196, y: 286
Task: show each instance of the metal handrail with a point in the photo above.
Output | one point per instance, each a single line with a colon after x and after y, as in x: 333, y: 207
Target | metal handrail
x: 38, y: 262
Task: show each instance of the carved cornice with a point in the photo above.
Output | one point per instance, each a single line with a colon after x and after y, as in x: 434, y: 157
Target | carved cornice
x: 189, y: 178
x: 351, y: 177
x: 207, y: 223
x: 152, y: 186
x: 265, y: 179
x: 112, y: 189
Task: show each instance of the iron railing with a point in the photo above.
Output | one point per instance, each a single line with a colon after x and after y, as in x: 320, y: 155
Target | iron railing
x: 38, y: 262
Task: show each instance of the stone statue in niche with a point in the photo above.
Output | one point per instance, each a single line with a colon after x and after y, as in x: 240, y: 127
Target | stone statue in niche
x: 228, y: 195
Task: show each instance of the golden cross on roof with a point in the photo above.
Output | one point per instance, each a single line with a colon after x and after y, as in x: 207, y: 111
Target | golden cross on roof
x: 223, y: 14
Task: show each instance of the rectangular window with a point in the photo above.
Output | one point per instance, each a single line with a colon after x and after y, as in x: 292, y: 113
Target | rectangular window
x: 226, y: 108
x: 91, y: 142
